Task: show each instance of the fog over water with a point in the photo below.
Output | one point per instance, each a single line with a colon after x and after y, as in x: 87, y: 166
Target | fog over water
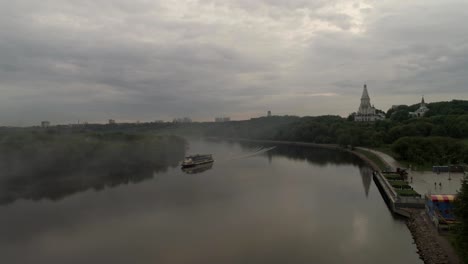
x: 287, y: 204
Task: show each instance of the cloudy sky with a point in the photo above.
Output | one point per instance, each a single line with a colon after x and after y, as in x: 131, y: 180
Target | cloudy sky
x: 89, y: 60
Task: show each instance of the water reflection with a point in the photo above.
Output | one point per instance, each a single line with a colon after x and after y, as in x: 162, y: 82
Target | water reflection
x: 198, y: 169
x: 313, y: 155
x: 249, y: 210
x: 58, y: 186
x: 63, y: 181
x: 366, y: 175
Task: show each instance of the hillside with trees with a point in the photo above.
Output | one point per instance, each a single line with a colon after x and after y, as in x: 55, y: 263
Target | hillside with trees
x: 440, y: 136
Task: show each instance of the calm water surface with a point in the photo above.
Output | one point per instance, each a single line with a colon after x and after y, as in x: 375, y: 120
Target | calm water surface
x: 254, y: 205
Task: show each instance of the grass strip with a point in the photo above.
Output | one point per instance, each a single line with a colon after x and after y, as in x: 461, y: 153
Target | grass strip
x: 408, y: 193
x: 379, y: 162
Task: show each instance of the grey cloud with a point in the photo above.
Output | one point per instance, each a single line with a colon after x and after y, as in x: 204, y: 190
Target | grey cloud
x: 146, y: 60
x: 340, y: 20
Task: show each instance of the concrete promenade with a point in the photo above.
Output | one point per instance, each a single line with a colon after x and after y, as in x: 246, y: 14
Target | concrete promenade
x: 426, y: 182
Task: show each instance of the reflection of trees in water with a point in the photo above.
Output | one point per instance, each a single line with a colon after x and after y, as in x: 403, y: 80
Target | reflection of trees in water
x: 313, y: 155
x: 198, y: 168
x: 366, y: 175
x: 317, y: 156
x: 92, y: 164
x: 322, y: 157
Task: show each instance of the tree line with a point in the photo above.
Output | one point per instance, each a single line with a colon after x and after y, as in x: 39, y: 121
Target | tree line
x: 440, y: 137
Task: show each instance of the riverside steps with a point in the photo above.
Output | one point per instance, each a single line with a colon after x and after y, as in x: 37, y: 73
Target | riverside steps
x: 399, y: 205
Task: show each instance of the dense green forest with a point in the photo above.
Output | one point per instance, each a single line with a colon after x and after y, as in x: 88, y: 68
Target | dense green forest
x: 439, y: 138
x: 36, y: 164
x: 455, y: 107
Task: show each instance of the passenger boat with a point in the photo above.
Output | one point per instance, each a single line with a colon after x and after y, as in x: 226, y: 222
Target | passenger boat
x: 198, y: 159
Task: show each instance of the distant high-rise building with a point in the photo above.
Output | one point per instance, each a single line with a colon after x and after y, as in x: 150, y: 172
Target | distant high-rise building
x: 45, y: 124
x: 366, y: 111
x: 111, y: 121
x: 269, y: 113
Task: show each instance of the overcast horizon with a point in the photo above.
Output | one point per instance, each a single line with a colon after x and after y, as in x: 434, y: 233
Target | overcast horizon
x: 67, y: 61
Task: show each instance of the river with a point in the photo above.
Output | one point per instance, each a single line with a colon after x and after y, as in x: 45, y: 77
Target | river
x: 257, y: 204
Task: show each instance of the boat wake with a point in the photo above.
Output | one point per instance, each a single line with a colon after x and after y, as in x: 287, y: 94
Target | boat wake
x: 256, y: 151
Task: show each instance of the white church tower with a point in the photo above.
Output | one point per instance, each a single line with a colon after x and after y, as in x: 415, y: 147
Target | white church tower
x: 421, y: 111
x: 366, y: 111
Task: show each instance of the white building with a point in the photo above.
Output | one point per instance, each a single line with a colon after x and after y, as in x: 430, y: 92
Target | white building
x: 366, y: 111
x: 45, y: 124
x: 421, y: 111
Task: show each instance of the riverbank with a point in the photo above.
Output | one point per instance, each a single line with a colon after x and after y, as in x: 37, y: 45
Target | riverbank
x: 373, y: 164
x: 293, y: 143
x: 432, y: 247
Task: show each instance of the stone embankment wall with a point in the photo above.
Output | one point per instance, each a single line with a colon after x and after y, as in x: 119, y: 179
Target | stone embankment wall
x: 432, y: 248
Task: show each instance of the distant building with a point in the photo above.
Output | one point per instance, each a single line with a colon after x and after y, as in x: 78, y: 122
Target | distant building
x: 269, y: 113
x: 45, y: 124
x: 222, y: 119
x: 182, y: 120
x: 366, y: 111
x: 421, y: 111
x: 111, y: 121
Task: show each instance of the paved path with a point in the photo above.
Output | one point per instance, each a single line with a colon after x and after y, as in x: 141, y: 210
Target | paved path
x: 386, y: 158
x: 423, y: 181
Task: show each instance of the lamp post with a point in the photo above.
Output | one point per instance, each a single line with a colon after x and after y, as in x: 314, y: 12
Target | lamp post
x: 449, y: 172
x: 457, y: 163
